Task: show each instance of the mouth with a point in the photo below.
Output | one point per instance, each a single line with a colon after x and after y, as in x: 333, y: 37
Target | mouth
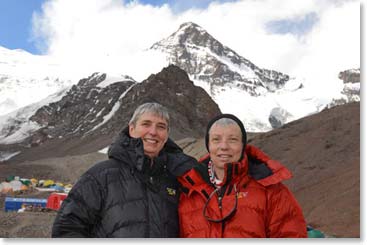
x: 151, y: 141
x: 224, y: 156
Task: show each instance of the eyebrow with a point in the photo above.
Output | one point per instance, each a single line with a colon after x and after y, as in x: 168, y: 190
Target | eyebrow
x: 149, y: 121
x: 162, y: 124
x: 231, y: 135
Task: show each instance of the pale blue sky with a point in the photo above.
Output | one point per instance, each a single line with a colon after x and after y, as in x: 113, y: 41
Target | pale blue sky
x: 15, y: 23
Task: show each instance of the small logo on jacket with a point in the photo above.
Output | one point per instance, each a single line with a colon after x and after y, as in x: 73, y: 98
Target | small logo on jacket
x: 171, y: 192
x: 242, y: 194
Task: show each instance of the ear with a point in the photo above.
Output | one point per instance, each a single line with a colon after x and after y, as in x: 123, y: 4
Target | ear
x: 131, y: 129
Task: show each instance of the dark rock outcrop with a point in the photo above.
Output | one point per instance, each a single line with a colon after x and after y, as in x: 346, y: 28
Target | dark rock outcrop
x: 278, y: 117
x: 351, y: 90
x: 350, y: 76
x: 190, y: 107
x: 89, y: 117
x: 83, y: 107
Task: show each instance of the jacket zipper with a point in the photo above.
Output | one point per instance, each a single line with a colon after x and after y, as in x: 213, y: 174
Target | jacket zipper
x: 147, y: 199
x: 147, y: 233
x: 220, y: 209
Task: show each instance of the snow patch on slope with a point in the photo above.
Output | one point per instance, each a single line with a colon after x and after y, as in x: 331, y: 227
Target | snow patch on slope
x: 16, y: 126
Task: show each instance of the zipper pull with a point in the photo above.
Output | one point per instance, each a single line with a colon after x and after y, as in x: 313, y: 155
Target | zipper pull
x: 220, y: 202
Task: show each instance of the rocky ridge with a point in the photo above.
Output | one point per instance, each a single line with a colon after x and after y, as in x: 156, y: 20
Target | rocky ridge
x: 88, y: 116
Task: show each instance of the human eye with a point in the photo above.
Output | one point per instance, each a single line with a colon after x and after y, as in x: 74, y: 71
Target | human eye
x: 233, y: 139
x: 215, y: 139
x: 162, y: 126
x: 145, y: 124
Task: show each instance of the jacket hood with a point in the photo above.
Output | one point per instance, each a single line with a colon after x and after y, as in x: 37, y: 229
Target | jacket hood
x: 132, y: 150
x: 255, y: 164
x: 265, y: 170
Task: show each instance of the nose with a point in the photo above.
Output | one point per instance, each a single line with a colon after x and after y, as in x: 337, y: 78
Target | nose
x: 152, y: 130
x: 223, y: 145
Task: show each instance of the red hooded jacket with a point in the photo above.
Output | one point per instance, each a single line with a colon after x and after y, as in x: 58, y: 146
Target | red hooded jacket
x: 263, y: 207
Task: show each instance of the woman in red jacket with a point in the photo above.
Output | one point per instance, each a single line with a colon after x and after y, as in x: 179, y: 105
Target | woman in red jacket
x: 236, y: 190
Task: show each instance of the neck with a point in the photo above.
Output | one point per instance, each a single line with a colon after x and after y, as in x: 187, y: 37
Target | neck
x: 219, y: 173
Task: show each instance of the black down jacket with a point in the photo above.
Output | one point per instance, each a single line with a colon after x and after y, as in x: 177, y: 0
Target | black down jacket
x: 124, y: 196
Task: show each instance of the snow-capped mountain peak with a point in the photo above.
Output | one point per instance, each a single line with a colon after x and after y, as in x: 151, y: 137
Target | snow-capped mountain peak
x: 188, y: 34
x: 212, y: 65
x: 262, y: 98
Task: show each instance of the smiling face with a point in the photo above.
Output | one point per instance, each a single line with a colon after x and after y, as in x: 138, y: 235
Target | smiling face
x: 153, y: 130
x: 225, y: 145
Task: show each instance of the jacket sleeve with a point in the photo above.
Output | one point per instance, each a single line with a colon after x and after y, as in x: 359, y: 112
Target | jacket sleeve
x: 79, y: 212
x: 284, y: 215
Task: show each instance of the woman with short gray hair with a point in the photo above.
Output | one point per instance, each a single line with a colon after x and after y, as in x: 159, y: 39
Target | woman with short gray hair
x: 135, y: 192
x: 236, y: 190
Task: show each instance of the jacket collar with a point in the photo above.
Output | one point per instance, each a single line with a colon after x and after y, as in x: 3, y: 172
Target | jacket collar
x: 128, y: 149
x: 197, y: 179
x: 266, y: 170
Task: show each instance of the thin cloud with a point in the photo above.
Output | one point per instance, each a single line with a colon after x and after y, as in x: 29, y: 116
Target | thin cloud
x: 299, y: 26
x: 179, y: 6
x: 89, y: 32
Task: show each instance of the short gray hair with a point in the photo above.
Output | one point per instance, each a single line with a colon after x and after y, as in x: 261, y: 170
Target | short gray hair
x: 154, y: 108
x: 225, y: 121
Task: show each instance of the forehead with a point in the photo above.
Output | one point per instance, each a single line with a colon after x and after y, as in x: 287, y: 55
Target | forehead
x: 230, y: 129
x: 152, y: 117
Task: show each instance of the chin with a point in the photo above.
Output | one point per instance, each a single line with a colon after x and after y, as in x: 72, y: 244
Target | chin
x: 151, y: 153
x: 219, y: 164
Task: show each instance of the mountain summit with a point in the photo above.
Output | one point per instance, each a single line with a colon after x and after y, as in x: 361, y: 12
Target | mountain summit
x: 206, y: 59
